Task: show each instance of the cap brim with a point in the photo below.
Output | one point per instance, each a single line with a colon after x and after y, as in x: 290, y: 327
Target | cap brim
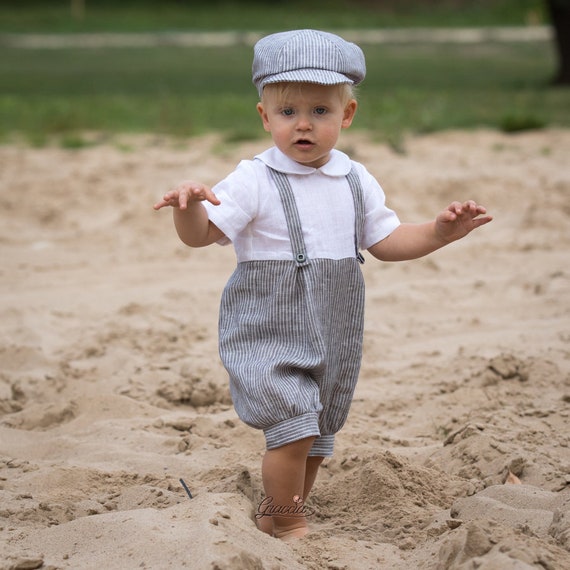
x: 319, y: 76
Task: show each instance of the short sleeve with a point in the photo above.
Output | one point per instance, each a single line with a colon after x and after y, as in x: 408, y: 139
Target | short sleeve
x: 239, y: 196
x: 380, y: 221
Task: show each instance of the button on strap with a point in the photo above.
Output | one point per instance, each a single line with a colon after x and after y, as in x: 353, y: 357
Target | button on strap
x: 291, y: 216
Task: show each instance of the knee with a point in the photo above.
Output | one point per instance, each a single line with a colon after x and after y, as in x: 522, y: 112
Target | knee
x: 296, y: 450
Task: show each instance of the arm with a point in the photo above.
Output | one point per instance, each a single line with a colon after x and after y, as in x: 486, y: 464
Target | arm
x: 410, y: 241
x: 190, y: 217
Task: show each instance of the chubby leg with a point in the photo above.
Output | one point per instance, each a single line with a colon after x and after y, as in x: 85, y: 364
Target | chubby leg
x: 283, y: 471
x: 311, y: 470
x: 265, y: 523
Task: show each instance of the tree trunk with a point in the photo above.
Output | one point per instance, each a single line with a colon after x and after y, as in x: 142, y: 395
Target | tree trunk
x: 560, y: 17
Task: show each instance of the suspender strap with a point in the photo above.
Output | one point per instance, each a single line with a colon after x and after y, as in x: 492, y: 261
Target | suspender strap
x: 294, y: 222
x: 358, y: 197
x: 292, y: 216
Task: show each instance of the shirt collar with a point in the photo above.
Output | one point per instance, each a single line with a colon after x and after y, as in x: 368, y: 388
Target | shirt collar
x: 339, y: 163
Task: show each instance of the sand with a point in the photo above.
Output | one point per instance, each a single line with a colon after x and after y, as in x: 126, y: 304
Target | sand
x: 111, y: 389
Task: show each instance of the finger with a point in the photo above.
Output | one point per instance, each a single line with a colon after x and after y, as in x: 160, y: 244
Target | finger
x: 456, y: 208
x: 448, y: 215
x: 473, y: 208
x: 212, y: 198
x: 202, y: 193
x: 162, y: 203
x: 190, y: 187
x: 193, y: 193
x: 451, y: 213
x: 478, y: 222
x: 183, y: 199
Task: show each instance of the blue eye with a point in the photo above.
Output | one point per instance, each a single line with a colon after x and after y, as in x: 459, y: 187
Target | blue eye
x: 287, y: 112
x: 320, y: 110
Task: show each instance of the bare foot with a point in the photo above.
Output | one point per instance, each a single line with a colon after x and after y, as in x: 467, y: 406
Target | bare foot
x: 292, y: 534
x: 287, y: 534
x: 265, y: 524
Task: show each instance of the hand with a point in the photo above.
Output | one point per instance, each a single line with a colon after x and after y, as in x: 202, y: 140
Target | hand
x: 458, y: 219
x: 185, y: 193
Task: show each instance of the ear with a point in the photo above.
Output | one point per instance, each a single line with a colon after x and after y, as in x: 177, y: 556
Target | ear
x: 349, y: 112
x: 264, y: 117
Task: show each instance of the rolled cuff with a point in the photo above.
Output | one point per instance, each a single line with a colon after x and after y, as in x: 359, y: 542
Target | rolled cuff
x: 293, y: 429
x: 323, y: 446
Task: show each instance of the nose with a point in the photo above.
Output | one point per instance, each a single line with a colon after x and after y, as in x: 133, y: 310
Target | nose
x: 304, y: 122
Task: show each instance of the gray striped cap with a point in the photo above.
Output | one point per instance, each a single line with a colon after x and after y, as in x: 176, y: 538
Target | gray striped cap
x: 307, y: 56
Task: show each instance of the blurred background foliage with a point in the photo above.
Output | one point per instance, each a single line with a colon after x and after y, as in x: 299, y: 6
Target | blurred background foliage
x: 268, y: 15
x: 62, y: 94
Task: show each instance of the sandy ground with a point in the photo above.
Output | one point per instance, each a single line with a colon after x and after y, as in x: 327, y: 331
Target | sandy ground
x: 111, y: 389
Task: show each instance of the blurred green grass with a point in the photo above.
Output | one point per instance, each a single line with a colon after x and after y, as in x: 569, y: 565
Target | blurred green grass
x: 190, y: 91
x: 183, y: 92
x: 268, y: 15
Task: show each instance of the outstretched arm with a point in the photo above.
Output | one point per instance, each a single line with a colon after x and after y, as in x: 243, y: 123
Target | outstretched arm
x: 410, y: 241
x: 190, y: 217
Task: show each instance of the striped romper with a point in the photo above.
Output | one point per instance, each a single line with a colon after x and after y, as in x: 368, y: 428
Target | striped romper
x: 290, y: 334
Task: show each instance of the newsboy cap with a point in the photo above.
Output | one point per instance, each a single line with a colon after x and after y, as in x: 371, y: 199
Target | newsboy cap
x: 307, y: 56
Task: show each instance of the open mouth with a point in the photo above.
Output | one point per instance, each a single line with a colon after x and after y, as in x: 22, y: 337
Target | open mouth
x: 303, y: 142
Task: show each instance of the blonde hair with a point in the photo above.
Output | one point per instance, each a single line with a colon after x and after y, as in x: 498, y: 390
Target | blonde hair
x: 283, y: 90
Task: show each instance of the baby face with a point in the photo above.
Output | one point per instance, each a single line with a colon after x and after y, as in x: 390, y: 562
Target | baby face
x: 305, y: 119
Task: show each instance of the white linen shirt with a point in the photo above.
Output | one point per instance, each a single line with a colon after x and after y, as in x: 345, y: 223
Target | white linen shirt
x: 252, y: 217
